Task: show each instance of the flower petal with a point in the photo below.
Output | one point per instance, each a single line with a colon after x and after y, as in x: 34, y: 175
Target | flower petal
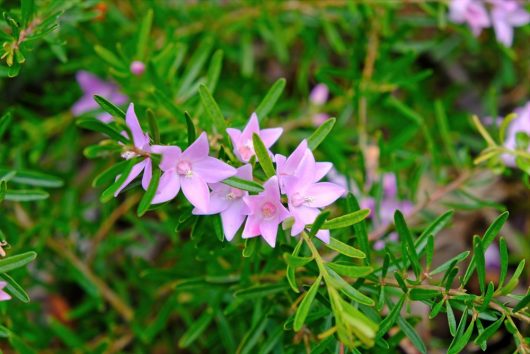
x: 213, y: 170
x: 251, y: 227
x: 269, y: 136
x: 135, y: 171
x: 269, y: 230
x: 198, y: 150
x: 196, y: 191
x: 323, y: 235
x: 138, y: 136
x: 218, y: 203
x: 323, y: 194
x: 148, y: 173
x: 232, y: 219
x: 168, y: 187
x: 170, y: 156
x: 251, y: 127
x: 84, y: 104
x: 322, y: 169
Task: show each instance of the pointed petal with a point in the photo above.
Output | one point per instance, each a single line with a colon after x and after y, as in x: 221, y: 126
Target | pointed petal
x: 323, y: 235
x: 168, y: 187
x: 269, y: 230
x: 91, y: 84
x: 218, y: 203
x: 4, y: 296
x: 272, y: 190
x: 234, y: 134
x: 322, y: 169
x: 251, y: 227
x: 232, y: 219
x: 118, y: 98
x: 323, y: 194
x: 138, y: 135
x: 135, y: 171
x: 251, y: 128
x: 198, y: 150
x: 213, y: 170
x: 148, y: 173
x: 84, y: 104
x: 303, y: 215
x: 196, y: 191
x: 170, y: 156
x: 269, y: 136
x: 104, y: 117
x: 503, y: 31
x: 245, y: 172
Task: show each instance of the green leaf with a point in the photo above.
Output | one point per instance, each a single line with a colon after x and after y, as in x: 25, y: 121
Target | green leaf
x: 411, y: 334
x: 153, y: 126
x: 489, y: 331
x: 214, y: 70
x: 34, y: 178
x: 344, y: 249
x: 503, y: 250
x: 290, y: 273
x: 435, y: 227
x: 109, y: 174
x: 196, y: 329
x: 110, y: 58
x: 243, y: 184
x: 515, y: 278
x: 263, y: 156
x: 487, y: 297
x: 270, y: 99
x: 143, y: 34
x: 147, y: 198
x: 250, y: 247
x: 100, y: 127
x: 317, y: 224
x: 460, y: 342
x: 359, y: 229
x: 451, y: 320
x: 9, y: 263
x: 196, y: 63
x: 350, y: 270
x: 406, y: 238
x: 258, y: 291
x: 25, y: 195
x: 436, y: 309
x: 320, y: 134
x: 192, y: 135
x: 523, y: 303
x: 305, y: 305
x: 212, y: 109
x: 424, y: 294
x: 14, y: 288
x: 480, y: 263
x: 458, y: 258
x: 401, y: 282
x: 349, y: 290
x: 27, y: 8
x: 391, y: 318
x: 296, y: 261
x: 429, y: 251
x: 4, y: 123
x: 109, y: 107
x: 108, y: 193
x: 346, y: 220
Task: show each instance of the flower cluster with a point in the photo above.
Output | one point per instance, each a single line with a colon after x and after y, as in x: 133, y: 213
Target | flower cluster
x: 504, y: 16
x: 298, y: 178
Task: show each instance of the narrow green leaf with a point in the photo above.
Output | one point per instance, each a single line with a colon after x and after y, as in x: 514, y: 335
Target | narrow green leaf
x: 196, y: 329
x: 100, y: 127
x: 27, y: 8
x: 320, y: 134
x: 243, y: 184
x: 192, y: 135
x: 344, y: 249
x: 436, y: 226
x: 489, y: 331
x: 148, y: 196
x: 458, y: 258
x: 263, y: 156
x: 411, y: 334
x: 503, y: 250
x: 401, y: 282
x: 14, y: 288
x: 317, y: 224
x: 258, y: 291
x: 360, y: 230
x: 196, y: 63
x: 515, y: 278
x: 214, y: 70
x: 346, y: 220
x: 270, y: 99
x: 153, y: 126
x: 110, y: 57
x: 33, y: 178
x: 4, y: 123
x: 212, y: 109
x: 487, y: 297
x: 305, y: 305
x: 460, y: 342
x: 480, y: 263
x: 25, y: 195
x: 436, y: 309
x: 391, y: 318
x: 143, y: 34
x: 108, y: 193
x: 291, y: 271
x: 406, y: 238
x: 109, y: 174
x: 13, y: 262
x: 350, y: 270
x: 349, y: 290
x: 296, y: 261
x: 250, y: 247
x: 451, y: 320
x: 424, y: 294
x: 429, y: 251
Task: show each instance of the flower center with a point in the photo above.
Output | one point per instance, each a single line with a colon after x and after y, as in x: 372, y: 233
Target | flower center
x: 234, y: 194
x: 246, y: 150
x: 127, y: 155
x: 184, y: 168
x: 298, y: 200
x: 268, y: 210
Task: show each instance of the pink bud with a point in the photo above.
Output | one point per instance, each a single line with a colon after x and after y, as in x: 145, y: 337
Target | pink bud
x: 319, y: 94
x: 137, y: 68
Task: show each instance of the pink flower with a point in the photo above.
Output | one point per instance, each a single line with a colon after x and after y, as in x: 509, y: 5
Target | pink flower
x: 505, y: 15
x: 3, y: 295
x: 306, y: 196
x: 190, y: 170
x: 229, y: 202
x: 472, y: 12
x: 242, y: 140
x: 319, y: 119
x: 137, y: 68
x: 92, y: 85
x: 319, y: 95
x: 492, y: 257
x: 288, y: 166
x: 265, y: 213
x: 519, y: 124
x: 141, y: 144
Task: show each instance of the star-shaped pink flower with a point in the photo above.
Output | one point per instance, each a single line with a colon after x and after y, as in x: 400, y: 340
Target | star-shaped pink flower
x: 190, y: 170
x: 505, y: 15
x: 265, y: 213
x: 228, y: 201
x: 242, y: 140
x: 472, y: 12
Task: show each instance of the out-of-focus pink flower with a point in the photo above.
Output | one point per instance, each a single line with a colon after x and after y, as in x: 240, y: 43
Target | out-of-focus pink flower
x: 319, y: 95
x: 287, y: 166
x: 137, y: 68
x: 190, y: 170
x: 319, y: 119
x: 492, y: 257
x: 141, y: 144
x: 242, y: 140
x: 92, y: 85
x: 265, y: 213
x: 519, y: 124
x: 306, y: 196
x: 472, y: 12
x: 505, y: 15
x: 229, y: 202
x: 3, y: 295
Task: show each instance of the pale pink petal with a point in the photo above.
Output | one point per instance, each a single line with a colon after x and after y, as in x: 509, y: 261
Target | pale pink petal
x: 218, y: 203
x: 232, y: 219
x: 269, y: 230
x: 272, y: 190
x: 104, y: 117
x: 3, y: 295
x: 91, y: 84
x: 319, y: 94
x: 251, y: 227
x: 84, y: 104
x: 118, y: 98
x: 235, y: 135
x: 503, y: 31
x: 135, y: 171
x: 245, y: 172
x: 168, y: 187
x: 213, y: 170
x: 196, y: 191
x: 148, y: 173
x: 198, y: 150
x: 323, y: 235
x: 323, y: 194
x: 251, y: 128
x: 322, y: 169
x: 269, y: 136
x: 170, y: 156
x: 303, y: 216
x: 138, y: 136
